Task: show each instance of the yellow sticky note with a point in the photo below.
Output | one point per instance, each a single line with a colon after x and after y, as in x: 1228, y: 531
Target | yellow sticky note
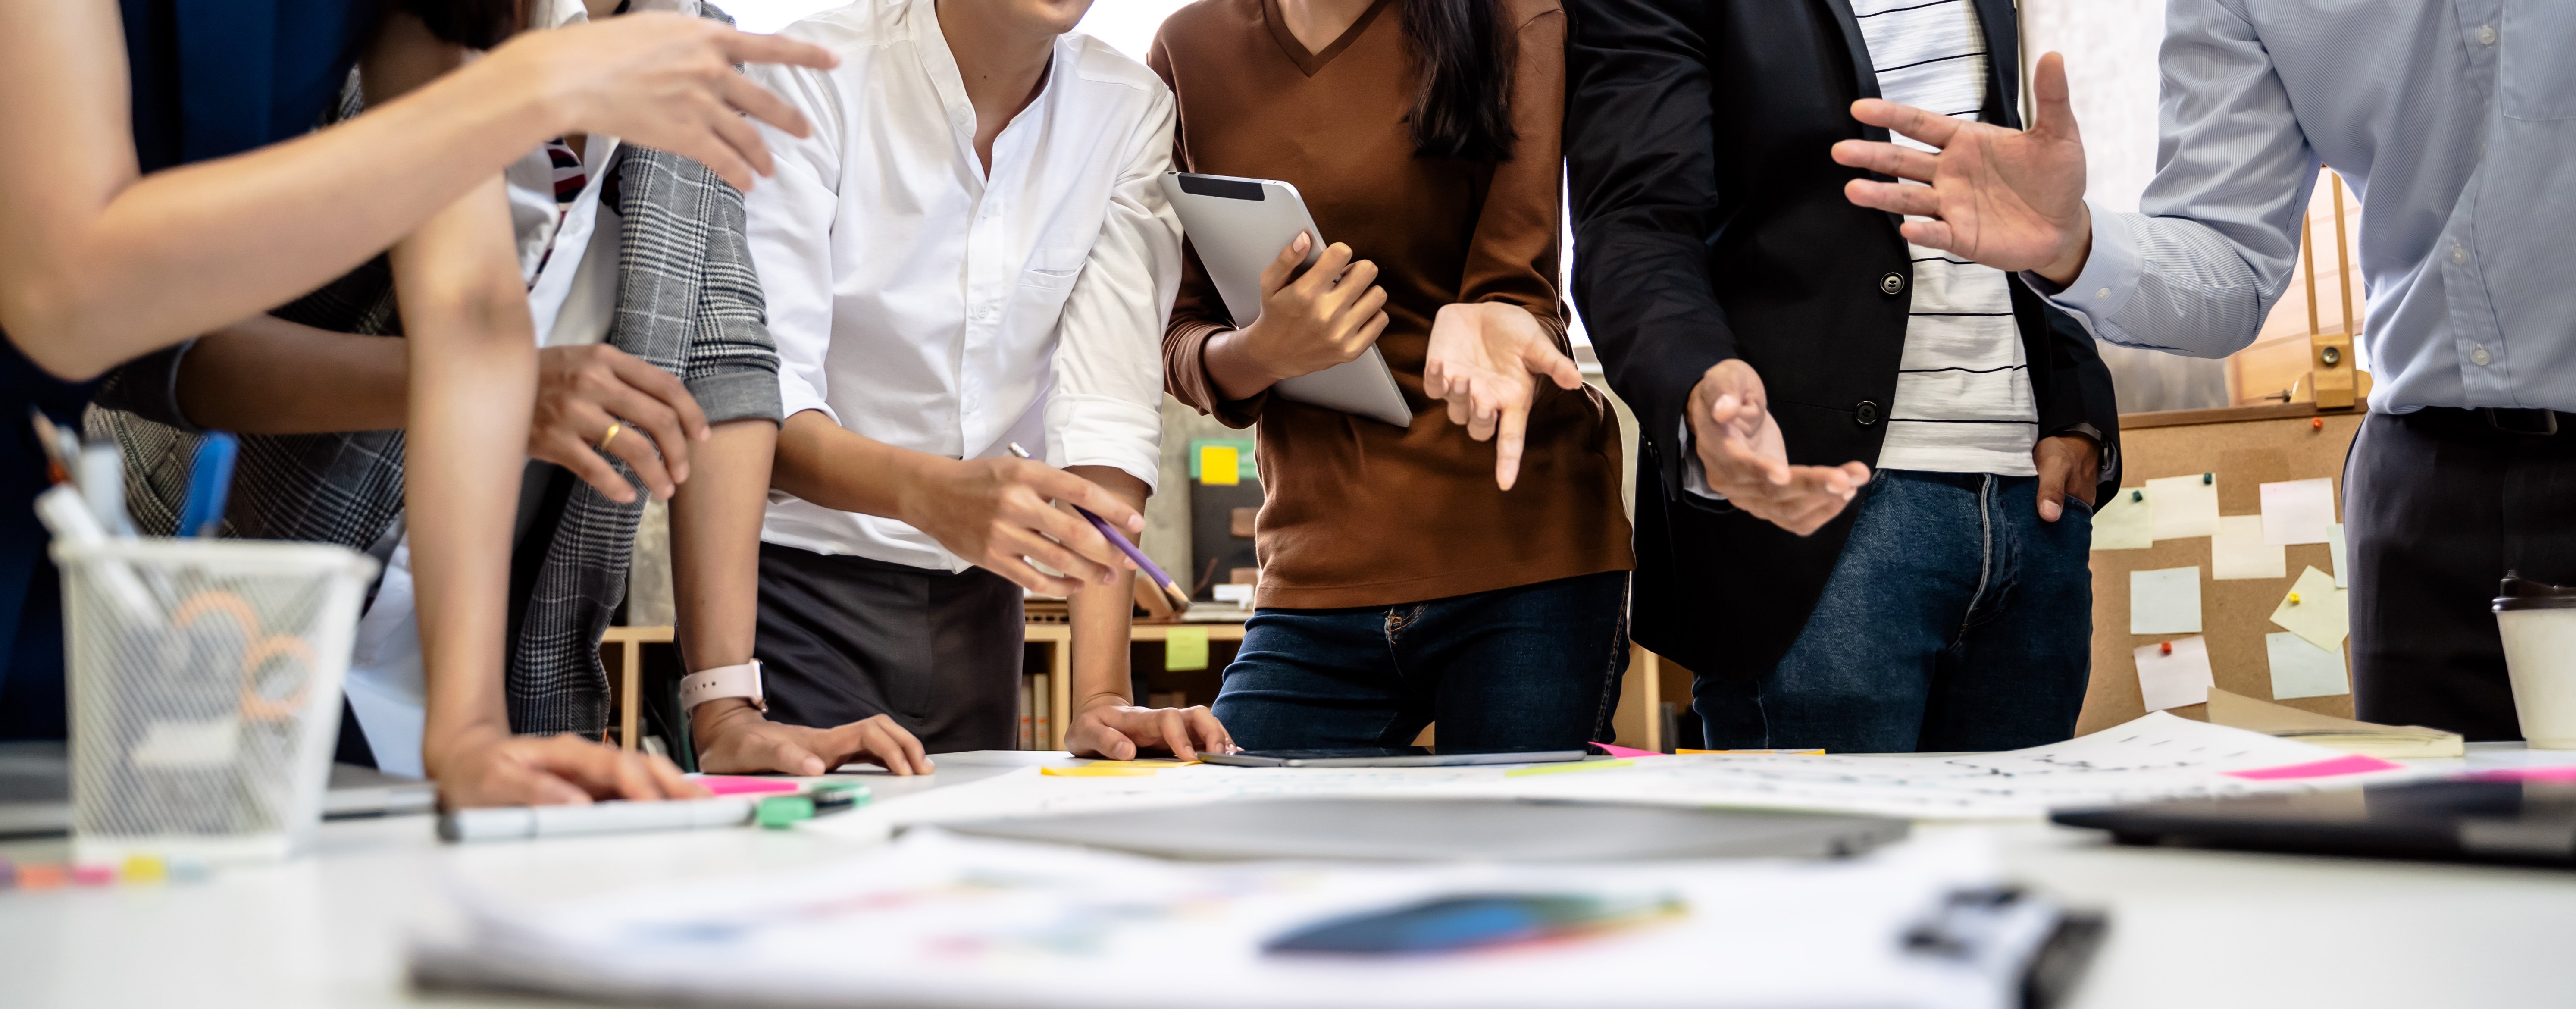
x: 2124, y: 522
x: 2320, y: 615
x: 1187, y: 647
x: 1094, y: 771
x: 1219, y: 465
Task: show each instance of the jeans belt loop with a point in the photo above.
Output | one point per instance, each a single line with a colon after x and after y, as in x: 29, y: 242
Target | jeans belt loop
x: 2496, y: 419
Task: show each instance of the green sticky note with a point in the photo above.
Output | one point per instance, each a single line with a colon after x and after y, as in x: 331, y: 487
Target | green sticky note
x: 1186, y: 648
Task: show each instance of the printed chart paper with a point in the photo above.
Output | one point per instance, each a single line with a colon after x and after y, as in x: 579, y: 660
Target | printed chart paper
x: 2238, y: 551
x: 2176, y: 679
x: 2185, y: 506
x: 938, y: 920
x: 2164, y: 601
x: 2300, y: 669
x: 2125, y: 522
x: 2297, y: 511
x: 2156, y: 757
x: 2315, y: 609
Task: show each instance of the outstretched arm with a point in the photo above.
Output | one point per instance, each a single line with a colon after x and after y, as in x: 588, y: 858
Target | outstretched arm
x: 2198, y: 270
x: 99, y: 264
x: 473, y: 374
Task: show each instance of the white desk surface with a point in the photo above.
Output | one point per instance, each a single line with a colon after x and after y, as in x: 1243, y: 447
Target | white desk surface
x: 2188, y: 928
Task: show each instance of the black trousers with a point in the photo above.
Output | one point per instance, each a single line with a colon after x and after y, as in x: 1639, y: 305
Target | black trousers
x: 845, y: 638
x: 2438, y: 505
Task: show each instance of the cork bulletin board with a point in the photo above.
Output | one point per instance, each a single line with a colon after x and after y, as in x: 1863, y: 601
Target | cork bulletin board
x: 2245, y: 447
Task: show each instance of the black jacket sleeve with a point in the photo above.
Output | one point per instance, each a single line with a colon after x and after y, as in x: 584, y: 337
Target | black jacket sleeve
x: 2080, y: 398
x: 1641, y: 168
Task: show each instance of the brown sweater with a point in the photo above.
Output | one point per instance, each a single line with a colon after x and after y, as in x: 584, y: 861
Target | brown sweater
x: 1360, y: 513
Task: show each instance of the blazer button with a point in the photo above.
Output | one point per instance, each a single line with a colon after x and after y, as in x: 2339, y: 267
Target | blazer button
x: 1866, y: 413
x: 1893, y: 283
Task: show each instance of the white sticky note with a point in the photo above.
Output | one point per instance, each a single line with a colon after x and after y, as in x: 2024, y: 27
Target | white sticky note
x: 2297, y: 511
x: 2171, y: 681
x: 2300, y: 669
x: 2124, y: 522
x: 2185, y: 505
x: 2334, y: 547
x: 2314, y: 609
x: 2238, y: 551
x: 2165, y: 601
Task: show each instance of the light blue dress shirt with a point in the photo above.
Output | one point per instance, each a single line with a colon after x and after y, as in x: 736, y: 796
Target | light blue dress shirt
x: 2454, y: 121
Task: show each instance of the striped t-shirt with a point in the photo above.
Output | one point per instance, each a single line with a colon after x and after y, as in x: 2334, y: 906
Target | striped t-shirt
x: 1963, y: 399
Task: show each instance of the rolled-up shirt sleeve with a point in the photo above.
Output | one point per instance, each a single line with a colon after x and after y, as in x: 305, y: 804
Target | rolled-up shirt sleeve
x: 1106, y: 406
x: 2199, y: 267
x: 788, y: 219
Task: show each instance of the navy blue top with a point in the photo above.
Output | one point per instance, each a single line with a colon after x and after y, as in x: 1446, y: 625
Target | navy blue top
x: 210, y: 78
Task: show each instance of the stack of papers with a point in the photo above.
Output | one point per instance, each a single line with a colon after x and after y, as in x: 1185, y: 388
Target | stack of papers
x: 2394, y: 742
x: 2160, y: 756
x: 935, y: 920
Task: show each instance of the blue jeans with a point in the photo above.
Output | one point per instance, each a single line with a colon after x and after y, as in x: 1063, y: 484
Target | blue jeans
x: 1956, y: 619
x: 1533, y: 667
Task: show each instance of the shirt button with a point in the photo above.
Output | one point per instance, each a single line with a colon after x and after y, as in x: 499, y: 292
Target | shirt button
x: 2458, y: 254
x: 2486, y: 35
x: 2103, y: 293
x: 2480, y: 357
x: 1893, y: 283
x: 1866, y: 413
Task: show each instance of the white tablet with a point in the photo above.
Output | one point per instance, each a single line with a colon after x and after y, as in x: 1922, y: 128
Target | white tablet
x: 1238, y: 226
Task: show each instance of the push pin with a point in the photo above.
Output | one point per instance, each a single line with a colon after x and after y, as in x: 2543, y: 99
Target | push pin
x: 2137, y: 495
x: 2208, y: 478
x: 2165, y: 648
x: 2294, y: 599
x: 2316, y: 423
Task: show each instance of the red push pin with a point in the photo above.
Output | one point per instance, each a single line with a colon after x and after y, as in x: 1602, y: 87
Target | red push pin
x: 2316, y: 423
x: 2165, y: 648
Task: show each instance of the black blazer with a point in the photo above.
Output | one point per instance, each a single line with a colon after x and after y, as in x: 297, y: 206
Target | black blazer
x: 1710, y: 223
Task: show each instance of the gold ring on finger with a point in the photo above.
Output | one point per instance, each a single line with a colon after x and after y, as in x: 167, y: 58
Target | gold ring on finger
x: 613, y: 429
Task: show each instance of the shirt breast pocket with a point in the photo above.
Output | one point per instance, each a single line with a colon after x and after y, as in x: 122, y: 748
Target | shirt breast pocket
x: 1054, y: 269
x: 2535, y: 77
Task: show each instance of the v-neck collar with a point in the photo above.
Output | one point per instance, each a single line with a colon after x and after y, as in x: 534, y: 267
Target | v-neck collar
x: 1296, y: 52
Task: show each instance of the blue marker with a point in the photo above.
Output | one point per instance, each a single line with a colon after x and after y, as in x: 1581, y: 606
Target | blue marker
x: 210, y: 483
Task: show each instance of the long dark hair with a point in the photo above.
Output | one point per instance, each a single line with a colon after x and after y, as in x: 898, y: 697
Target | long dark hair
x: 1463, y: 107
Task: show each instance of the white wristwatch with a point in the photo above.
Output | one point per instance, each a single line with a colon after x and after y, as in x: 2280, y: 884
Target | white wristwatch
x: 723, y: 681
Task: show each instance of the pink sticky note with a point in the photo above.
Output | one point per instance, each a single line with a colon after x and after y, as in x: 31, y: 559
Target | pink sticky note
x: 1625, y: 751
x: 2329, y: 768
x: 727, y: 785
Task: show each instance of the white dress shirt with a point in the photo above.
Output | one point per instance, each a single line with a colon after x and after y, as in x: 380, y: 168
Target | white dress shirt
x: 923, y: 303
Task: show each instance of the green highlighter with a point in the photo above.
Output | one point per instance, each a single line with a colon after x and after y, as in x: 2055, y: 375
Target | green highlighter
x: 779, y: 812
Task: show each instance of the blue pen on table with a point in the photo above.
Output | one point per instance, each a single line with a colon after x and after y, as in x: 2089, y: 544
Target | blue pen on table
x: 210, y: 483
x: 1179, y: 597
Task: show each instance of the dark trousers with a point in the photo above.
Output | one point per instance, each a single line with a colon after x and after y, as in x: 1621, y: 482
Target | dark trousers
x: 1956, y: 619
x: 2438, y: 505
x: 845, y: 638
x: 1533, y: 667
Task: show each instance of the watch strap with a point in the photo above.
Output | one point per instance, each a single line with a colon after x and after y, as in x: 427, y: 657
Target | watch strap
x: 723, y: 681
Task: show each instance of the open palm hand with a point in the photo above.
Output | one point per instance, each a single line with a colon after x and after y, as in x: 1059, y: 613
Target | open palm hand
x: 2011, y: 199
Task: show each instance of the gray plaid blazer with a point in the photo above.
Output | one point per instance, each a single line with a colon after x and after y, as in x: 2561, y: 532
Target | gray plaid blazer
x: 688, y: 301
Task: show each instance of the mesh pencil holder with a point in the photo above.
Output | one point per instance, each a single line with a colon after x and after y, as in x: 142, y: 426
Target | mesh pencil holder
x: 205, y: 682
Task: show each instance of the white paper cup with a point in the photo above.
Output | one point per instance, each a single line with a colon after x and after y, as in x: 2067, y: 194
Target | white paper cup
x: 2539, y: 629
